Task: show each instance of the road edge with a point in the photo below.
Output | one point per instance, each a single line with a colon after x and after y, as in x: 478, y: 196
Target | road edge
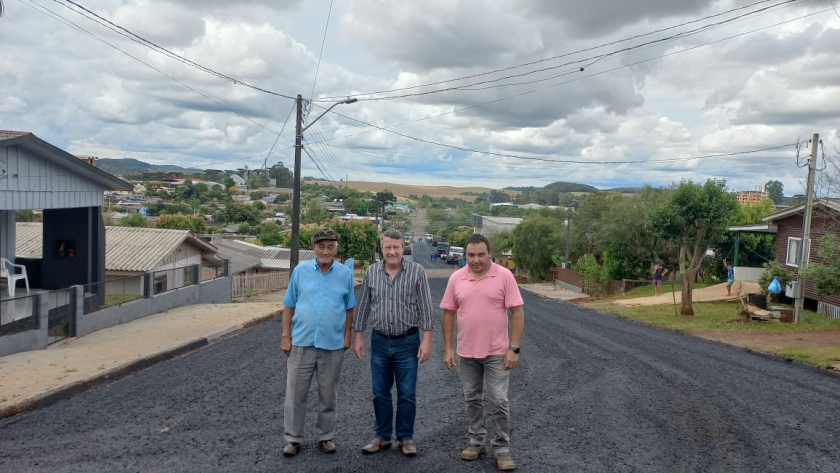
x: 115, y: 374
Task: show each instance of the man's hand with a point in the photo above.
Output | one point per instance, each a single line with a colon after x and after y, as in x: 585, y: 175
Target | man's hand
x: 359, y: 346
x: 511, y: 360
x: 449, y: 359
x: 425, y: 350
x: 286, y: 345
x: 347, y: 341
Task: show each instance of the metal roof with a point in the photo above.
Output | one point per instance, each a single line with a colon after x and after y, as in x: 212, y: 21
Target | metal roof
x: 126, y: 248
x: 280, y: 258
x: 832, y: 204
x: 242, y: 257
x: 62, y: 158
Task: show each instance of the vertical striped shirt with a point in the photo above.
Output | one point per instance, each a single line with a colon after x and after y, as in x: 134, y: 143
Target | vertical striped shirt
x: 397, y: 305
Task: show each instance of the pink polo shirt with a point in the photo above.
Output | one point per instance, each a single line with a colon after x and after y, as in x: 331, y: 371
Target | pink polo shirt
x: 481, y: 305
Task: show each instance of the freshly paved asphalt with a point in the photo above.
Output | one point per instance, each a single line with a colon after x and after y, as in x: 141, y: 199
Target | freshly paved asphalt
x: 592, y: 393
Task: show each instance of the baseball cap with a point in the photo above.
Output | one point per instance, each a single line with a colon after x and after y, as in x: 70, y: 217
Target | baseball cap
x: 325, y: 233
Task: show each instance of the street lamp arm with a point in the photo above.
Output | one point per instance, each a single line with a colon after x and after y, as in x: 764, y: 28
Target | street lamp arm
x: 348, y: 101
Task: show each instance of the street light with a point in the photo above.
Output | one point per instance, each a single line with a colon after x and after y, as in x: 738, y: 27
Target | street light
x: 299, y: 129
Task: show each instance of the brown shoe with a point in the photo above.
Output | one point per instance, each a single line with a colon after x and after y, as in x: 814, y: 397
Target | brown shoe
x: 376, y: 445
x: 409, y: 448
x: 505, y: 462
x: 472, y: 452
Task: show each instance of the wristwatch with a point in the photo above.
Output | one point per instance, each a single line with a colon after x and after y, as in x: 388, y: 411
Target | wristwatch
x: 514, y: 349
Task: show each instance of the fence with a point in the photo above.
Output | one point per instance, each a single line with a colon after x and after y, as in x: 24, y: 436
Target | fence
x: 574, y: 280
x: 829, y: 310
x: 248, y: 285
x: 171, y: 279
x: 213, y: 271
x: 113, y: 292
x: 19, y: 314
x: 61, y: 317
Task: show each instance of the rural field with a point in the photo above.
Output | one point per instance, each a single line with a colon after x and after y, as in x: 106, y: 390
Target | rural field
x: 404, y: 190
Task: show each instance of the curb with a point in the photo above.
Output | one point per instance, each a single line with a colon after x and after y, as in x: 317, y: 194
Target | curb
x: 70, y: 390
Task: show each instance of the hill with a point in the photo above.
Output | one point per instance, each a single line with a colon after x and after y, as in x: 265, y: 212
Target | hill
x: 134, y: 166
x: 405, y: 190
x: 560, y: 187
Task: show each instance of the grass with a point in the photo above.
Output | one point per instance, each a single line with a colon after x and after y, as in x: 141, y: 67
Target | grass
x: 646, y: 291
x: 824, y: 357
x: 118, y: 298
x: 709, y: 316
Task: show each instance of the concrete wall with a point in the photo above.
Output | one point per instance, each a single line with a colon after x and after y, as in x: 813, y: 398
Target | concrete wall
x: 31, y: 339
x: 745, y: 274
x: 217, y: 291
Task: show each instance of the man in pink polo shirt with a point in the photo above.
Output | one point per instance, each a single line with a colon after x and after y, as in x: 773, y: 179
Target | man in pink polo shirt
x: 480, y: 294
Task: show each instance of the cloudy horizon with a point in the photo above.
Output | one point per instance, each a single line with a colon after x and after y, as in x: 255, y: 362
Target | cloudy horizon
x: 608, y: 93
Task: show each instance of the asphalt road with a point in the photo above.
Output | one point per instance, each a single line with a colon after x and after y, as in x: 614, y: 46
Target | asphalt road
x: 591, y: 393
x: 421, y: 253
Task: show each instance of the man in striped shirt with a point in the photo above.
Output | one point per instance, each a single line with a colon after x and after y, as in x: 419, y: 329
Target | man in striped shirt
x: 396, y: 297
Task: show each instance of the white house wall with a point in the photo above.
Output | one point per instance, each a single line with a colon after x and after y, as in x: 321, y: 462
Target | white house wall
x: 35, y: 183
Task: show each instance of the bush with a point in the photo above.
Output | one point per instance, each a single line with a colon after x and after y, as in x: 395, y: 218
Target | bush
x: 591, y: 274
x: 774, y: 270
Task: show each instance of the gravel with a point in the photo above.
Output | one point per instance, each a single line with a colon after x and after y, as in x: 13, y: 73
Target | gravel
x: 592, y: 392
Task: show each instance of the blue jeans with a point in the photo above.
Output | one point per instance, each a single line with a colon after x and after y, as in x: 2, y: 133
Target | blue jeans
x: 394, y: 360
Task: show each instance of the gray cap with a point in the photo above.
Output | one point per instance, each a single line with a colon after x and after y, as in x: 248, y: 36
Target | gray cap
x: 325, y: 233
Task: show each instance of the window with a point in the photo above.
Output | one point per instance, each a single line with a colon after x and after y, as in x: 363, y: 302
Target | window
x: 794, y: 244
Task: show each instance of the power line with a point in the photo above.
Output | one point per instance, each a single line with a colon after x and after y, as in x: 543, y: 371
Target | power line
x: 557, y: 84
x: 678, y: 35
x: 317, y: 165
x: 93, y: 16
x: 324, y: 40
x: 281, y: 130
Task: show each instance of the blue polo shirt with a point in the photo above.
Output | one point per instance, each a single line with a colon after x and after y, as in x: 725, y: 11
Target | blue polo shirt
x: 321, y: 302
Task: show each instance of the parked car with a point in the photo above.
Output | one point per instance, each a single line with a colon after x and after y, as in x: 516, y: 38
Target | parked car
x: 443, y: 251
x: 407, y: 248
x: 456, y: 253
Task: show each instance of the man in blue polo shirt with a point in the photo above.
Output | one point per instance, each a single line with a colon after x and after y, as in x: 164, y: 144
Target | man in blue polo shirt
x: 317, y: 324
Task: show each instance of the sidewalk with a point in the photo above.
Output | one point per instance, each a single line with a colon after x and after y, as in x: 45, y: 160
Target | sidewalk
x: 706, y: 294
x: 39, y: 377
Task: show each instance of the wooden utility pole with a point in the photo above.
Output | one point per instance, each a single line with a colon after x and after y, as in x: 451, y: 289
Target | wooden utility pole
x: 804, y: 247
x: 295, y: 246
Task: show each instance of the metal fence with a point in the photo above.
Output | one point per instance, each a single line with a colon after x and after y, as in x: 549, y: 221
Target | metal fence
x: 113, y: 292
x: 61, y: 319
x: 243, y: 285
x: 19, y: 314
x: 171, y: 279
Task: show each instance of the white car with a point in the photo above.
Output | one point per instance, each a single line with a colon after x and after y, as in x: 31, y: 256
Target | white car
x: 456, y: 253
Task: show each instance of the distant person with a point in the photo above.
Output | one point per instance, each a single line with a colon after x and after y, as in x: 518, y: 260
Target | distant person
x: 317, y: 325
x: 396, y: 299
x: 479, y: 296
x: 730, y: 276
x: 659, y: 272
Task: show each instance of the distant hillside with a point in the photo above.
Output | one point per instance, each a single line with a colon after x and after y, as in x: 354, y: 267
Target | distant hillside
x: 560, y: 187
x: 626, y: 190
x: 133, y: 166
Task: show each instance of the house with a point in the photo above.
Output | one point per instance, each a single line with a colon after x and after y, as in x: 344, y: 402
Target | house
x: 280, y: 258
x: 825, y: 218
x: 37, y: 175
x: 134, y: 251
x: 489, y: 225
x: 245, y: 258
x: 238, y: 181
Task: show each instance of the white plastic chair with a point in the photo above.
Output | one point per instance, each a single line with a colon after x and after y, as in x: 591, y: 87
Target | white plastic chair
x: 7, y: 270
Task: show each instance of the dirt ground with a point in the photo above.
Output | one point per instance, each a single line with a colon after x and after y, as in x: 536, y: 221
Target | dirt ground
x: 766, y: 340
x: 706, y: 294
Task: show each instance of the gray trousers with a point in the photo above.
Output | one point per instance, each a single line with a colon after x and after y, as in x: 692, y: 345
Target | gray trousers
x: 490, y: 373
x: 301, y: 364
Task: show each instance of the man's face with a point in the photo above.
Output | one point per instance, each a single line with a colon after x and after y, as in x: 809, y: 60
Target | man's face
x: 392, y: 250
x: 478, y: 258
x: 325, y: 251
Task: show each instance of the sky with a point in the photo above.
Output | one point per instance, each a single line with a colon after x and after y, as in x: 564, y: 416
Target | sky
x: 491, y: 93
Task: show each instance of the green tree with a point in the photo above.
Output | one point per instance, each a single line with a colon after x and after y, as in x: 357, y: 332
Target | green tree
x: 27, y: 216
x: 237, y: 212
x: 270, y: 234
x: 316, y: 212
x: 755, y: 249
x: 134, y: 220
x: 536, y: 243
x: 384, y: 198
x: 826, y: 275
x: 693, y: 217
x: 282, y: 176
x: 182, y: 222
x: 775, y: 189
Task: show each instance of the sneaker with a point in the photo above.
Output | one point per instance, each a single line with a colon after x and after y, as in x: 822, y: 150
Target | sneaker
x: 376, y: 445
x: 291, y: 449
x: 505, y: 462
x: 328, y: 446
x: 472, y: 452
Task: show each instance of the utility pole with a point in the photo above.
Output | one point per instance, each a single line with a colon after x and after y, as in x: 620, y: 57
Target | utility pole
x: 295, y: 247
x: 568, y: 232
x: 804, y: 247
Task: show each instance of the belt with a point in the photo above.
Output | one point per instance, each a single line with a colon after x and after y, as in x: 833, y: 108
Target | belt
x: 408, y: 332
